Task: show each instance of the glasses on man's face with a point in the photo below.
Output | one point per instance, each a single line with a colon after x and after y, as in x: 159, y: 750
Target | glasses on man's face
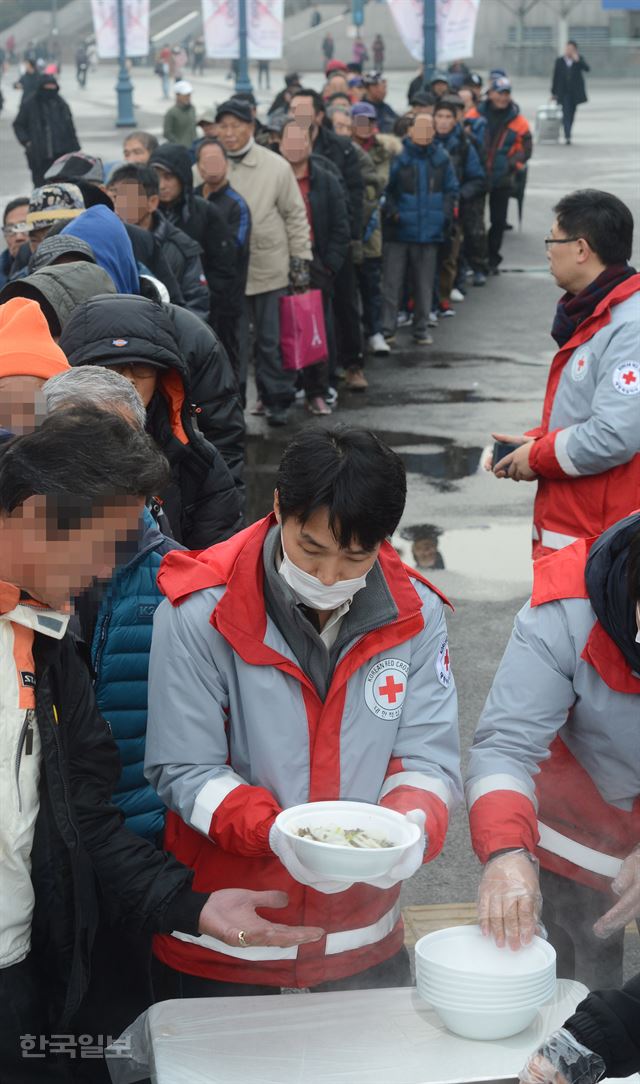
x: 17, y: 227
x: 560, y: 240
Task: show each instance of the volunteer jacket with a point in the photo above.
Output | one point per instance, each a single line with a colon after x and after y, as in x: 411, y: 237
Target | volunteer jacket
x: 554, y: 765
x: 587, y: 447
x: 255, y: 736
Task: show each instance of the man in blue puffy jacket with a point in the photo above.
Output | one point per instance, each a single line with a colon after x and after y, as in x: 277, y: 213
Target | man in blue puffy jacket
x: 418, y: 211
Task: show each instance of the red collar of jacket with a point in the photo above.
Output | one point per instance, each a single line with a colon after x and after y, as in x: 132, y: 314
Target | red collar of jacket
x: 241, y: 615
x: 561, y: 575
x: 600, y: 317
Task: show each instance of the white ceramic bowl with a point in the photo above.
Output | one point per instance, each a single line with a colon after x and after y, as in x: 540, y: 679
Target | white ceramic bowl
x: 486, y: 1025
x: 348, y: 863
x: 437, y: 996
x: 462, y: 951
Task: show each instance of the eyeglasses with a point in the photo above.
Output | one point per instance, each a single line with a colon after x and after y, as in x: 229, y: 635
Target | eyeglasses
x: 17, y: 227
x: 560, y: 240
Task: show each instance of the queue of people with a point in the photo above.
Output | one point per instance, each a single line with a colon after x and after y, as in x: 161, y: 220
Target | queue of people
x: 135, y: 603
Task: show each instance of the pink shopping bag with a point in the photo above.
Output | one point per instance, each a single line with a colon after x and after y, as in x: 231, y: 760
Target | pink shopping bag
x: 303, y: 335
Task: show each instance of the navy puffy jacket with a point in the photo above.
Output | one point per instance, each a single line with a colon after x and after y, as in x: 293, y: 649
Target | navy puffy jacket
x: 420, y: 196
x: 120, y: 655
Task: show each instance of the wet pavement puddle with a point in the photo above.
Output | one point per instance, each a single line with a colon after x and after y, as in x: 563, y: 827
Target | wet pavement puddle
x: 498, y: 551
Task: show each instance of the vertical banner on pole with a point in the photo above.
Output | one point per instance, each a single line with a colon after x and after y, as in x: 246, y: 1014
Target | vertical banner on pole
x: 265, y: 23
x: 455, y: 27
x: 136, y: 27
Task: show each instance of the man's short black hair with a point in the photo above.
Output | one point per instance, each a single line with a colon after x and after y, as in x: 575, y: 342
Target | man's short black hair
x: 142, y: 175
x: 19, y: 201
x: 210, y: 141
x: 307, y: 92
x: 602, y: 219
x: 81, y: 457
x: 149, y: 141
x: 350, y: 472
x: 633, y: 567
x: 572, y: 42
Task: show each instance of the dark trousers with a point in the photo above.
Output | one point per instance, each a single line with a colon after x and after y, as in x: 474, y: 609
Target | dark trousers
x: 346, y: 312
x: 369, y: 275
x: 475, y: 234
x: 119, y: 990
x: 569, y: 912
x: 568, y: 116
x: 498, y: 207
x: 227, y: 327
x: 169, y: 984
x: 24, y: 1029
x: 276, y: 386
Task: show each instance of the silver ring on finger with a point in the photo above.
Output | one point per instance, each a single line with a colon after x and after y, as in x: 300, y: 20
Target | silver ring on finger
x: 243, y: 939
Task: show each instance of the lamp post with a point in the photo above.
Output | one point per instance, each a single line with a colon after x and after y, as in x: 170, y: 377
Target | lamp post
x: 243, y: 82
x: 124, y: 86
x: 429, y: 43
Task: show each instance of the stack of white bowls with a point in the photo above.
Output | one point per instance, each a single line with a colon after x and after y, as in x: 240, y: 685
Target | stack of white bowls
x: 481, y: 991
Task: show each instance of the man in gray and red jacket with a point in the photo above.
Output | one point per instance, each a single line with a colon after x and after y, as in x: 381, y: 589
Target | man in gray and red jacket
x: 301, y: 661
x: 554, y: 771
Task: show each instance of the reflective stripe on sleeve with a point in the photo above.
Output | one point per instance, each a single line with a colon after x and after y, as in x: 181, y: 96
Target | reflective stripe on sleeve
x: 429, y: 783
x: 499, y: 781
x: 572, y: 851
x: 553, y: 540
x: 209, y: 798
x: 342, y: 941
x: 562, y: 455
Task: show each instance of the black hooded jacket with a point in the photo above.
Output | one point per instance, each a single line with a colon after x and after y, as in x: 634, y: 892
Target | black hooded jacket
x: 606, y: 577
x: 202, y: 504
x: 44, y: 126
x: 203, y: 222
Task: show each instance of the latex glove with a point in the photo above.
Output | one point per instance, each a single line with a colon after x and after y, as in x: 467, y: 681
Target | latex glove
x: 627, y: 886
x: 561, y: 1059
x: 410, y: 861
x: 299, y: 274
x: 282, y: 847
x: 509, y: 899
x: 357, y: 252
x: 233, y: 909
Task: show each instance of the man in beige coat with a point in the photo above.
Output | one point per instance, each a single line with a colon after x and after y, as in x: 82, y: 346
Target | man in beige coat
x: 280, y: 249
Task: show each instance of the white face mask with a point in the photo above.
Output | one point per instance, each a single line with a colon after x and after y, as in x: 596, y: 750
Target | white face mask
x: 638, y: 623
x: 312, y: 592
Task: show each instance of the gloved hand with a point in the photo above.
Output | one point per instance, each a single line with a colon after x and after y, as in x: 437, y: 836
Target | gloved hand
x: 405, y: 867
x: 412, y: 858
x: 561, y: 1059
x: 627, y: 886
x: 282, y: 847
x: 357, y: 252
x: 509, y: 899
x: 299, y: 274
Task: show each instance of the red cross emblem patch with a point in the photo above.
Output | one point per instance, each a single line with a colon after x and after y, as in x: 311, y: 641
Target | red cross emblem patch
x: 385, y: 688
x: 626, y: 378
x: 579, y: 367
x: 443, y: 664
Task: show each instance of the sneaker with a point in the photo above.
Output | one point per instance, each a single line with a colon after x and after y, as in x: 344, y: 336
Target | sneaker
x: 377, y: 345
x: 404, y: 319
x: 300, y: 396
x: 479, y: 278
x: 445, y: 310
x: 456, y: 294
x: 331, y: 398
x: 317, y: 405
x: 277, y: 416
x: 494, y: 269
x: 389, y: 337
x: 356, y: 380
x: 468, y: 274
x: 258, y: 408
x: 423, y: 339
x: 433, y: 319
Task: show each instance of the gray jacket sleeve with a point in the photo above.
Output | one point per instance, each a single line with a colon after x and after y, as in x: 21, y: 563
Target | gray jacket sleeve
x: 531, y: 695
x: 611, y: 435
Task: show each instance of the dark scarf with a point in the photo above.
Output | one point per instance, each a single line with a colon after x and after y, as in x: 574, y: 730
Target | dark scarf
x: 607, y: 584
x: 573, y: 309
